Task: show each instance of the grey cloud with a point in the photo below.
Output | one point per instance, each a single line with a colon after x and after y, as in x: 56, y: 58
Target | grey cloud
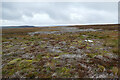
x: 9, y: 14
x: 59, y: 13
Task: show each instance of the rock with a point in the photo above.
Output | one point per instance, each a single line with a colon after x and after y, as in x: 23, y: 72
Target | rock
x: 22, y: 48
x: 72, y: 47
x: 63, y: 42
x: 102, y: 76
x: 99, y: 57
x: 71, y: 56
x: 88, y: 40
x: 79, y: 51
x: 54, y: 50
x: 110, y: 55
x: 57, y: 47
x: 5, y: 42
x: 42, y: 42
x: 54, y: 75
x: 28, y: 56
x: 16, y: 75
x: 56, y: 57
x: 84, y: 35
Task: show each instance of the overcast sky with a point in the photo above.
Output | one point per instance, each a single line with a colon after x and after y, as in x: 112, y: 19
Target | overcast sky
x: 49, y: 13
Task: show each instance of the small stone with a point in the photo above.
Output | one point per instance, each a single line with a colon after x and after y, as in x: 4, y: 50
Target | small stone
x: 99, y: 56
x: 72, y: 47
x: 54, y: 75
x: 56, y: 57
x: 5, y: 42
x: 88, y: 40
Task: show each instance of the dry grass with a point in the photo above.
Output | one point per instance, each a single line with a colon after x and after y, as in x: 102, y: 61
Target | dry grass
x: 44, y: 65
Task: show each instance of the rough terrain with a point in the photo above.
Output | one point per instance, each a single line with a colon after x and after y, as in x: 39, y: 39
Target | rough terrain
x: 60, y: 52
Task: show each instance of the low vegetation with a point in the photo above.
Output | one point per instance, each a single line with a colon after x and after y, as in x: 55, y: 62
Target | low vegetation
x: 80, y: 54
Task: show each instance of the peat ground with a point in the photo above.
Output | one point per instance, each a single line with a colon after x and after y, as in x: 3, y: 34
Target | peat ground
x: 61, y: 52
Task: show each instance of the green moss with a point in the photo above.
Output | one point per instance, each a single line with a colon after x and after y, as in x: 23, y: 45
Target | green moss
x: 88, y: 47
x: 92, y: 55
x: 115, y: 70
x: 29, y: 61
x: 47, y: 56
x: 81, y: 37
x: 31, y: 75
x: 43, y: 45
x: 101, y: 68
x: 80, y: 41
x: 32, y: 38
x: 39, y: 56
x: 26, y: 61
x: 106, y: 51
x: 111, y: 43
x: 64, y: 53
x: 54, y: 61
x: 15, y: 61
x: 64, y: 72
x: 48, y: 69
x: 8, y: 46
x: 30, y: 72
x: 74, y: 43
x: 89, y: 37
x: 101, y: 37
x: 11, y: 67
x: 1, y: 52
x: 24, y: 64
x: 64, y: 69
x: 115, y: 50
x: 24, y: 38
x: 12, y: 71
x: 20, y: 64
x: 32, y: 43
x: 15, y: 38
x: 26, y: 42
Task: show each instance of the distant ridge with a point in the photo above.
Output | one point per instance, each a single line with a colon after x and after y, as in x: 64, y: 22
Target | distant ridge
x: 4, y: 27
x: 69, y: 25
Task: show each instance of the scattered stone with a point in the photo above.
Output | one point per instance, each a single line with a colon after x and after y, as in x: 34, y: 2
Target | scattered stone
x: 54, y: 75
x: 79, y: 51
x: 51, y: 55
x: 54, y: 50
x: 88, y: 40
x: 72, y: 47
x: 56, y: 57
x: 5, y: 42
x: 28, y: 56
x: 71, y: 56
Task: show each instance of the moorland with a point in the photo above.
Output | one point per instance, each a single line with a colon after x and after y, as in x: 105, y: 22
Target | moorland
x: 78, y: 51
